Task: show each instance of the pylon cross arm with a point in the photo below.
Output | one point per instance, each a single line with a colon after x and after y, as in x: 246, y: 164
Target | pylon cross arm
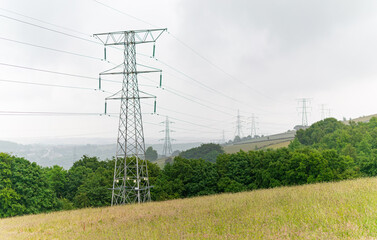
x: 120, y: 38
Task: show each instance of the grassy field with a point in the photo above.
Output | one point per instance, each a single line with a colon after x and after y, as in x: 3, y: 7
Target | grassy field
x: 343, y: 210
x: 361, y: 119
x: 160, y: 162
x: 256, y: 146
x: 279, y: 145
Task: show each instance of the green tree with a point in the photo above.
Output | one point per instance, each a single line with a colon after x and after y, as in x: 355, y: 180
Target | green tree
x: 208, y: 152
x: 186, y: 178
x: 57, y: 177
x: 151, y: 154
x: 31, y: 183
x: 9, y: 205
x: 75, y: 178
x: 95, y: 191
x: 317, y: 131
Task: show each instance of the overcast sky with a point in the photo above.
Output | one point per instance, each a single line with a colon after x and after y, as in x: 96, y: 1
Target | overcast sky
x: 217, y: 57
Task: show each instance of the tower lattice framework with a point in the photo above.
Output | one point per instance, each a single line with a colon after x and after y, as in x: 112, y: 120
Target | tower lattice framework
x: 167, y: 149
x: 239, y: 132
x: 130, y: 183
x: 253, y: 127
x: 304, y: 110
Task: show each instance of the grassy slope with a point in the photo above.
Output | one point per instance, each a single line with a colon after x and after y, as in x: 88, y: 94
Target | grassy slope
x: 256, y: 146
x: 343, y: 210
x: 279, y: 145
x: 160, y: 162
x: 365, y: 118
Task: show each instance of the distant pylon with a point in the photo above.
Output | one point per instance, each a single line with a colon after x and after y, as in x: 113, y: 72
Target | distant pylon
x: 130, y: 183
x: 239, y: 125
x: 323, y: 113
x: 304, y: 105
x: 223, y: 140
x: 167, y: 149
x: 253, y: 127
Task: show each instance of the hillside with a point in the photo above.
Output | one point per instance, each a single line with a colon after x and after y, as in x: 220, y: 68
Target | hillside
x: 361, y: 119
x: 342, y: 210
x: 277, y: 140
x: 272, y: 141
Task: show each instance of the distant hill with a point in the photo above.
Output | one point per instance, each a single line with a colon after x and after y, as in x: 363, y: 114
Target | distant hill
x: 66, y: 155
x: 272, y: 141
x: 361, y: 119
x: 276, y: 140
x: 10, y: 146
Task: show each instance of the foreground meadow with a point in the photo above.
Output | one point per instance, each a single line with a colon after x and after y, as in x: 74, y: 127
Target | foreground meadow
x: 342, y: 210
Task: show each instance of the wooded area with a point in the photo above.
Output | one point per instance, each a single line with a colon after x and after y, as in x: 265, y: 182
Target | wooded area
x: 327, y: 151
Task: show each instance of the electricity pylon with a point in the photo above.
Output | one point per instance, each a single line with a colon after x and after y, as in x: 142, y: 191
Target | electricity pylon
x: 253, y: 127
x: 305, y: 102
x: 323, y: 114
x: 131, y: 183
x: 239, y: 125
x: 328, y: 112
x: 167, y: 149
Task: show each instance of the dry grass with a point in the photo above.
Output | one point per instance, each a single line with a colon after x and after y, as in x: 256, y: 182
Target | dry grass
x: 361, y: 119
x: 160, y: 162
x: 256, y: 146
x: 279, y: 145
x: 343, y: 210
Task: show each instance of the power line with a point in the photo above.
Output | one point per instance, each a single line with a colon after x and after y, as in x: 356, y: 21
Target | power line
x: 186, y: 114
x: 60, y: 113
x: 129, y: 15
x: 52, y: 85
x: 203, y: 85
x: 198, y: 82
x: 190, y: 48
x: 60, y: 73
x: 48, y: 23
x: 180, y: 41
x: 49, y: 29
x: 29, y: 113
x: 180, y: 128
x: 208, y: 88
x: 51, y: 49
x: 190, y: 98
x: 185, y: 121
x: 55, y: 72
x: 217, y: 67
x: 48, y: 85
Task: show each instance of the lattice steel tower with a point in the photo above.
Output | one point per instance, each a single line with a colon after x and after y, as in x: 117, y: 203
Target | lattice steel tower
x: 131, y: 183
x: 253, y: 127
x: 239, y: 125
x: 167, y: 149
x: 323, y: 114
x: 305, y: 103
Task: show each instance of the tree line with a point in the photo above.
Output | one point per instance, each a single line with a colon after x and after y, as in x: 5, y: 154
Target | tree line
x: 327, y: 151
